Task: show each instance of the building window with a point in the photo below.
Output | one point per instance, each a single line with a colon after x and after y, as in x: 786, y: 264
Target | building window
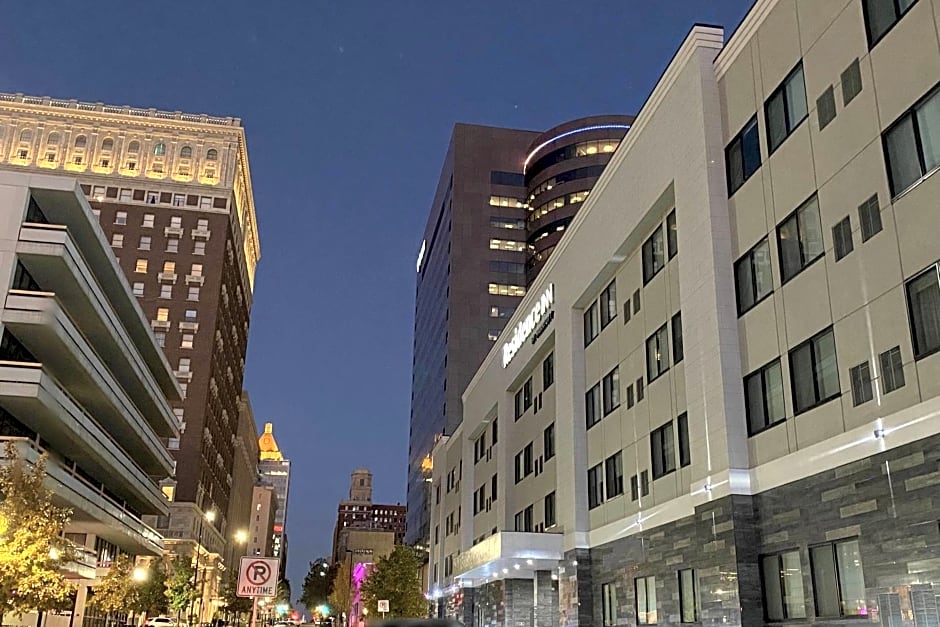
x: 614, y: 469
x: 172, y: 245
x: 143, y: 243
x: 752, y: 276
x: 120, y: 217
x: 187, y: 341
x: 785, y: 108
x: 591, y: 326
x: 549, y: 510
x: 523, y: 463
x: 184, y: 364
x: 663, y: 450
x: 548, y: 441
x: 592, y: 405
x: 842, y: 238
x: 138, y: 289
x: 851, y: 82
x: 507, y: 244
x: 140, y: 266
x: 814, y: 373
x: 161, y: 338
x: 892, y: 370
x: 742, y: 156
x: 117, y: 240
x: 595, y: 486
x: 609, y: 604
x: 513, y: 224
x: 502, y: 312
x: 763, y: 398
x: 869, y: 216
x: 911, y: 152
x: 882, y: 15
x: 608, y: 304
x: 193, y: 293
x: 685, y: 452
x: 626, y: 311
x: 634, y: 488
x: 782, y: 585
x: 159, y: 150
x: 800, y: 240
x: 199, y: 247
x: 166, y: 291
x: 611, y: 390
x: 169, y: 267
x: 923, y: 303
x: 678, y: 353
x: 645, y: 600
x: 639, y: 389
x: 212, y: 154
x: 493, y: 492
x: 163, y: 314
x: 499, y: 289
x: 657, y: 354
x: 826, y: 107
x: 523, y: 399
x: 838, y: 581
x: 524, y: 520
x: 630, y: 401
x: 186, y: 152
x: 860, y: 376
x: 672, y: 235
x: 548, y: 371
x: 495, y: 431
x: 654, y: 257
x: 688, y: 596
x: 147, y: 222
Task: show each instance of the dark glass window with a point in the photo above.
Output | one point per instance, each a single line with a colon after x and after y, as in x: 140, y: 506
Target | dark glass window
x: 842, y: 238
x: 595, y: 486
x: 663, y: 450
x: 636, y: 301
x: 634, y: 488
x: 800, y: 239
x: 654, y: 256
x: 882, y: 15
x: 763, y: 398
x: 630, y: 401
x: 672, y: 235
x: 685, y: 452
x: 782, y: 585
x: 639, y: 389
x: 514, y: 179
x: 657, y: 354
x: 614, y: 469
x: 861, y: 384
x: 742, y: 156
x: 752, y: 276
x: 549, y: 511
x: 892, y: 370
x: 548, y: 441
x: 609, y: 604
x: 785, y: 108
x: 838, y: 581
x: 548, y: 371
x: 592, y: 405
x: 591, y: 323
x: 688, y: 596
x: 869, y: 215
x: 814, y: 372
x: 910, y: 145
x: 611, y: 390
x: 851, y: 83
x: 677, y: 350
x: 826, y: 107
x: 923, y: 304
x: 608, y: 304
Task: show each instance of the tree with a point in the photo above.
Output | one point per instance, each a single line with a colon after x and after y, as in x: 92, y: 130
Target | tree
x: 395, y: 579
x: 340, y: 598
x: 233, y: 602
x: 152, y: 598
x: 31, y: 542
x: 282, y: 592
x: 117, y: 592
x: 180, y: 585
x: 317, y: 585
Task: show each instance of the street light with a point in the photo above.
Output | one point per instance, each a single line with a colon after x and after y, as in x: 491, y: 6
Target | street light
x: 210, y: 518
x: 140, y: 574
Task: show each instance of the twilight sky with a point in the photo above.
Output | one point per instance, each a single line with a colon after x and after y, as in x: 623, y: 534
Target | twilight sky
x: 348, y: 107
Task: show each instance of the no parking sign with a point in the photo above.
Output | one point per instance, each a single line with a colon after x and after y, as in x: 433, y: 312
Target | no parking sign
x: 257, y: 577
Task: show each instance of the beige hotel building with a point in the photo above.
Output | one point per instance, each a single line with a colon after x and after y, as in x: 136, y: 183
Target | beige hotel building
x: 723, y: 402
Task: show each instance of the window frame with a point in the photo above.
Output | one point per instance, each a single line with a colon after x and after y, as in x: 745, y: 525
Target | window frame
x: 840, y: 593
x: 593, y: 406
x: 761, y: 372
x: 737, y: 142
x: 811, y: 343
x: 650, y: 269
x: 868, y: 210
x: 892, y: 377
x: 780, y: 582
x: 591, y: 323
x: 782, y: 91
x: 649, y: 585
x: 748, y: 258
x: 610, y: 391
x: 683, y: 617
x: 678, y: 347
x: 663, y: 441
x: 805, y: 262
x: 595, y: 486
x: 609, y: 604
x: 548, y: 371
x: 682, y: 433
x: 608, y: 303
x: 613, y: 474
x: 898, y: 15
x: 672, y: 235
x: 550, y: 521
x: 843, y: 242
x: 548, y: 442
x: 920, y: 352
x: 909, y: 114
x: 663, y: 361
x: 864, y: 392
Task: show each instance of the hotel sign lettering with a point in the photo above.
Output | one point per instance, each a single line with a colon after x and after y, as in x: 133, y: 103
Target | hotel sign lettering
x: 541, y: 312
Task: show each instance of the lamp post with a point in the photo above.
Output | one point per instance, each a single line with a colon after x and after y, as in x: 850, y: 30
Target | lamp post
x: 240, y: 537
x: 210, y: 518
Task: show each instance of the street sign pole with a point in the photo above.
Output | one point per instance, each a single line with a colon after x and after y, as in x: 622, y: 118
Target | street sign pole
x: 254, y: 611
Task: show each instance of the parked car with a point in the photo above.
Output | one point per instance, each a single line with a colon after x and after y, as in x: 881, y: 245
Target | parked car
x: 160, y: 621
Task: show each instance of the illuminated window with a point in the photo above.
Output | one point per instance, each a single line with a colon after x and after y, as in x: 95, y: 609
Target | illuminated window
x: 81, y: 141
x: 163, y: 314
x: 196, y: 269
x: 169, y: 267
x: 212, y: 154
x: 186, y: 152
x: 117, y: 240
x: 187, y: 341
x: 505, y: 201
x: 159, y: 150
x: 190, y: 315
x: 506, y: 290
x: 507, y: 244
x: 166, y: 291
x: 141, y: 266
x: 199, y: 248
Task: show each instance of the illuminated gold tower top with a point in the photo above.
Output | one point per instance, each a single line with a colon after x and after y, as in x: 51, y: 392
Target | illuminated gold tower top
x: 166, y: 150
x: 267, y: 444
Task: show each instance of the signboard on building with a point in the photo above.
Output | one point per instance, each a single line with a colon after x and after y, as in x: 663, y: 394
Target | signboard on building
x: 257, y: 577
x: 383, y: 606
x: 541, y: 309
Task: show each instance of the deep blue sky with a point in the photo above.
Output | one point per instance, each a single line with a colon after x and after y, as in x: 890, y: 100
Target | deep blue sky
x: 348, y: 107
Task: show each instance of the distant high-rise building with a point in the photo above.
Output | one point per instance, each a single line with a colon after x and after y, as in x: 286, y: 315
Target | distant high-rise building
x: 264, y: 508
x: 503, y: 200
x: 244, y: 479
x: 359, y: 513
x: 275, y: 471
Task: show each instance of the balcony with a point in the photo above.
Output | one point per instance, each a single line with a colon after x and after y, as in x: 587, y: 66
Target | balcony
x: 202, y: 234
x: 39, y: 322
x: 167, y: 277
x: 93, y: 510
x: 42, y: 404
x: 173, y: 231
x: 195, y: 279
x: 189, y: 326
x: 160, y: 325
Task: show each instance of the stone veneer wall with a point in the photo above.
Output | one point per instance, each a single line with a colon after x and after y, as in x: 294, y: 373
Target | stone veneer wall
x: 890, y: 502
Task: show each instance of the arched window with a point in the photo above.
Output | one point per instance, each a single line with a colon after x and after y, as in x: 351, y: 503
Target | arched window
x: 81, y: 141
x: 186, y: 152
x: 107, y: 144
x: 53, y: 139
x: 26, y: 135
x: 133, y: 147
x: 159, y: 150
x: 212, y: 155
